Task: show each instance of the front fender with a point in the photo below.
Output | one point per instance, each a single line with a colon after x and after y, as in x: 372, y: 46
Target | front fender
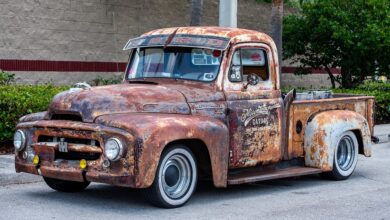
x: 323, y: 132
x: 154, y: 131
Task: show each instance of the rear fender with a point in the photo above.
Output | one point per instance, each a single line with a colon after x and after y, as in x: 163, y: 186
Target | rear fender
x: 325, y: 129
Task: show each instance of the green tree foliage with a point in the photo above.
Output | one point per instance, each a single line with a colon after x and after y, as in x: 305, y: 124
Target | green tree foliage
x: 351, y: 34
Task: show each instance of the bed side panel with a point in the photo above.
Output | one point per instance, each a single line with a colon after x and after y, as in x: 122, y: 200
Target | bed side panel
x: 301, y: 112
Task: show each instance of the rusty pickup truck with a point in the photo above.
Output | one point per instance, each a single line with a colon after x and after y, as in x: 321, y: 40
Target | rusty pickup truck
x: 195, y: 103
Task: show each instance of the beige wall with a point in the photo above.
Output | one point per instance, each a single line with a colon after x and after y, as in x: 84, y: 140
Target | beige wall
x: 313, y: 81
x: 96, y: 30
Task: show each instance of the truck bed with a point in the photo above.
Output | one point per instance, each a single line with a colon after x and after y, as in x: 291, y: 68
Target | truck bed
x: 306, y: 105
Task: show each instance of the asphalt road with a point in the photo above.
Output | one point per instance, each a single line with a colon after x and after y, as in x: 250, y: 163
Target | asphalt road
x: 366, y: 195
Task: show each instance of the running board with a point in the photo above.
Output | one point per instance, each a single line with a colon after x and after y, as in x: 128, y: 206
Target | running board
x: 249, y: 176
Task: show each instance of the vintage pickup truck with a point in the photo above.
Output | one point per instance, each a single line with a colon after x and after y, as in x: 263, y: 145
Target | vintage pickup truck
x: 195, y: 102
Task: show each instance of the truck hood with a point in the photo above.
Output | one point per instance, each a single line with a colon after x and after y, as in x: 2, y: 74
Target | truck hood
x: 125, y: 98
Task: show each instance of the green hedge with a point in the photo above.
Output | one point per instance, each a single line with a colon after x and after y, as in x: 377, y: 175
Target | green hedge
x: 19, y: 100
x: 381, y: 91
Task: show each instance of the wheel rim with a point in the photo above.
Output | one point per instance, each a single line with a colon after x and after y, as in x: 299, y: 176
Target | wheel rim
x: 345, y: 153
x: 176, y: 176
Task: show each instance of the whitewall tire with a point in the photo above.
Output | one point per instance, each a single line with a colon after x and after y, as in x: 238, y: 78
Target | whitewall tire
x: 345, y: 157
x: 175, y: 179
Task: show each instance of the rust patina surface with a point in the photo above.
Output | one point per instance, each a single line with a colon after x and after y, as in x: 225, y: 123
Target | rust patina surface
x: 235, y: 126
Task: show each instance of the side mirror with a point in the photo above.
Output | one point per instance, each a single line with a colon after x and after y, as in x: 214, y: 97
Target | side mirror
x: 235, y: 74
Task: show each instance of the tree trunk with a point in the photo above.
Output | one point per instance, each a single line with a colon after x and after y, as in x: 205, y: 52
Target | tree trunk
x: 277, y: 27
x: 346, y: 78
x: 331, y: 76
x: 196, y: 12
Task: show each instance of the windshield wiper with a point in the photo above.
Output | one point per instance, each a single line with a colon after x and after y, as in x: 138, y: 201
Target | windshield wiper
x: 142, y: 81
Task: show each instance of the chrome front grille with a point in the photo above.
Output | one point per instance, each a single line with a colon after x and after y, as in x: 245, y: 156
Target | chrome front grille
x: 92, y: 142
x: 72, y: 148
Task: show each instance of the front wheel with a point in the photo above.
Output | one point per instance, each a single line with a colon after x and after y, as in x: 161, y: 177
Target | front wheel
x: 345, y: 157
x: 65, y: 185
x: 175, y: 179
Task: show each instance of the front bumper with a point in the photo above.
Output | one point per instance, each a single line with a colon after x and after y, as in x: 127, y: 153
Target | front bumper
x: 75, y: 174
x: 120, y: 173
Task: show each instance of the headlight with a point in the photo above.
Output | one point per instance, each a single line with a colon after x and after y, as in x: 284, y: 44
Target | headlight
x: 113, y: 149
x: 19, y: 140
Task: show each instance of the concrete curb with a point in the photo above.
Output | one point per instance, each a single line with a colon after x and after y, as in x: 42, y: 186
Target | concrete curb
x: 9, y: 176
x: 382, y: 132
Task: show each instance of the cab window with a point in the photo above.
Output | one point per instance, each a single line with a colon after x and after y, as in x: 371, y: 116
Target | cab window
x: 249, y: 61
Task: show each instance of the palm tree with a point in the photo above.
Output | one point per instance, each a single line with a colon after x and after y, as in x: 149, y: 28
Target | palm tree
x: 196, y: 12
x: 277, y: 26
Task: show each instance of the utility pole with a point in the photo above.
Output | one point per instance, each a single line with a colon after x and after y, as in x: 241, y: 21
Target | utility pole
x: 228, y: 13
x: 277, y: 29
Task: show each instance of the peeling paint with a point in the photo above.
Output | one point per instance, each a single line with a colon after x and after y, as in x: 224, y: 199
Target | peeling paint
x: 241, y: 127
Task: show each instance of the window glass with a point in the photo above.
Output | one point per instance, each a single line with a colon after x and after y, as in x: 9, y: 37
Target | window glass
x: 200, y: 64
x: 205, y: 57
x: 247, y: 61
x: 253, y: 57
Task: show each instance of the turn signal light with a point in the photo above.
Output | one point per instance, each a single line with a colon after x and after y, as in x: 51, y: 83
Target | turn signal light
x: 83, y: 164
x: 36, y: 160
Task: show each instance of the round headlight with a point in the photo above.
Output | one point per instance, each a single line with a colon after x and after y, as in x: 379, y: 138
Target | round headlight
x: 19, y: 140
x: 113, y: 149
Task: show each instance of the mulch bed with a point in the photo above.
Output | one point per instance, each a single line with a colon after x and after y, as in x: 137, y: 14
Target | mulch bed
x: 6, y: 147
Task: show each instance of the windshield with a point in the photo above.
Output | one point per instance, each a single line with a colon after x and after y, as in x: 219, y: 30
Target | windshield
x: 174, y: 62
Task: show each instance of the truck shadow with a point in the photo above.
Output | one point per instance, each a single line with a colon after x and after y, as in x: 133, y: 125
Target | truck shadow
x: 119, y: 198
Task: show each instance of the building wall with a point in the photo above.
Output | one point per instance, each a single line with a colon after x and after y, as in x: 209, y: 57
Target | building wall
x: 313, y: 81
x: 96, y: 30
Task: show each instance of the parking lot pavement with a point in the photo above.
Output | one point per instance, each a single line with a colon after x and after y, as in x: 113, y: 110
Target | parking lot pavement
x: 365, y: 195
x: 9, y: 176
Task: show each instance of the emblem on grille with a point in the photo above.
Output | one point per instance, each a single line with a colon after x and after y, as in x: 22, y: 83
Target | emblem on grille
x: 62, y: 145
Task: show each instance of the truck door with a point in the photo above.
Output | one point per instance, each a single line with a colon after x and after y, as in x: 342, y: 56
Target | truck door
x: 254, y: 106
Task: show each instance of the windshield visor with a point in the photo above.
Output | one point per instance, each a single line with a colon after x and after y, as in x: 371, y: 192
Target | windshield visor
x: 179, y: 40
x: 175, y: 62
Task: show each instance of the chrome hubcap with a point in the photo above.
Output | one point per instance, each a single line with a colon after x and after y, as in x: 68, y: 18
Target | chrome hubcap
x: 345, y: 153
x: 176, y: 176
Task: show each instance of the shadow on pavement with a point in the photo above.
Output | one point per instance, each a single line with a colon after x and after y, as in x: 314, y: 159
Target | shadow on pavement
x: 106, y: 196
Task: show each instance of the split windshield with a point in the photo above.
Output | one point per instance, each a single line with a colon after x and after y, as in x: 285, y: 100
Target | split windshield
x: 174, y: 62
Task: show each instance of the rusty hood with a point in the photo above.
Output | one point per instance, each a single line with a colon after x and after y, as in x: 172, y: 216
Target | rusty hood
x: 126, y: 98
x: 96, y: 101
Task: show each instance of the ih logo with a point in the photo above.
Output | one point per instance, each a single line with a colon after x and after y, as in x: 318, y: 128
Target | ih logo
x: 63, y: 146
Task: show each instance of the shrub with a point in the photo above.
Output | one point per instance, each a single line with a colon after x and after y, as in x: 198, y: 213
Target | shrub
x: 100, y: 81
x: 381, y: 91
x: 6, y: 78
x: 19, y: 100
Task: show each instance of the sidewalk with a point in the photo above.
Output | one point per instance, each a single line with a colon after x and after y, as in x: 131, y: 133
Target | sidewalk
x: 9, y: 176
x: 382, y: 132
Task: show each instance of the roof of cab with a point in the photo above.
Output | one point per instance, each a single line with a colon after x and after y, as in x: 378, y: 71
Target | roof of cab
x: 236, y: 35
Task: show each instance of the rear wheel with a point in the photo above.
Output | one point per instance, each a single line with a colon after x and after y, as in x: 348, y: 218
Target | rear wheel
x: 65, y: 185
x: 175, y: 179
x: 345, y: 157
